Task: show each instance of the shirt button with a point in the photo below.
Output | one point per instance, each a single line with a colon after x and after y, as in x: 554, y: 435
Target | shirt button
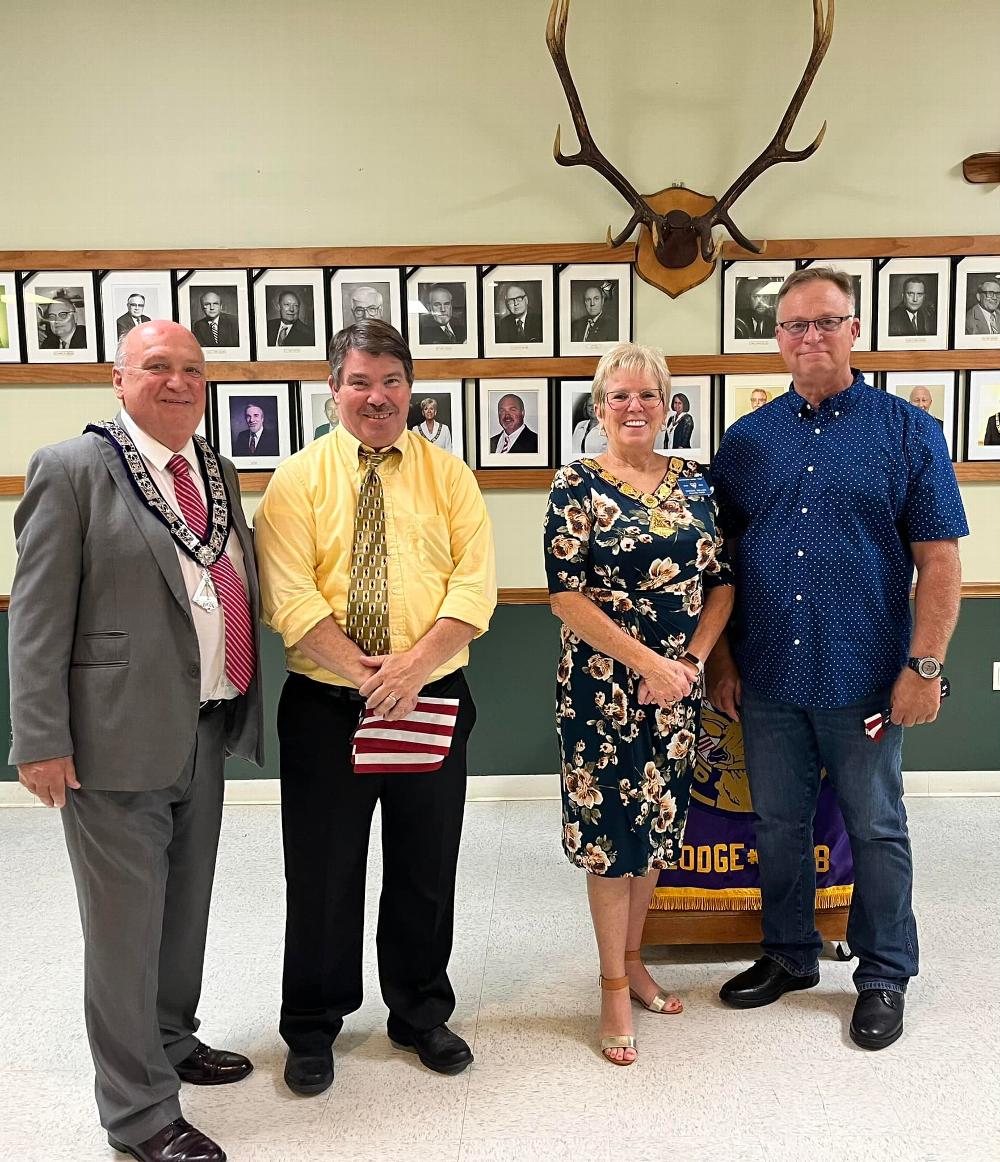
x: 804, y: 509
x: 800, y: 553
x: 796, y: 642
x: 798, y: 596
x: 810, y: 468
x: 836, y: 413
x: 816, y: 430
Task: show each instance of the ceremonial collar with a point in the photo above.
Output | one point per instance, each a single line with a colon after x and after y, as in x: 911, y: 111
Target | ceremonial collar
x: 204, y: 551
x: 155, y: 453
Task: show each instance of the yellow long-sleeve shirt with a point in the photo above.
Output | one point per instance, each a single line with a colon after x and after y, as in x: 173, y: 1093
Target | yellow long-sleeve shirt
x: 439, y: 545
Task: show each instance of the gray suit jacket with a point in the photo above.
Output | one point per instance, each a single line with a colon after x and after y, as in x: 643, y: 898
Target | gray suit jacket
x: 104, y: 660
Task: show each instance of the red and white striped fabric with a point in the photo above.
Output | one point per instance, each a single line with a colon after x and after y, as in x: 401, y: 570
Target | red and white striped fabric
x: 418, y: 742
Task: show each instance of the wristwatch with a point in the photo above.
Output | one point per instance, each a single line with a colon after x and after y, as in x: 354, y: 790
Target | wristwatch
x: 925, y: 667
x: 693, y: 660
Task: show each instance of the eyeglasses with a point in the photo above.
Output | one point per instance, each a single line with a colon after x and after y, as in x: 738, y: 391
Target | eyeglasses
x: 990, y: 294
x: 829, y: 323
x: 621, y: 399
x: 60, y: 316
x: 367, y: 312
x: 515, y: 299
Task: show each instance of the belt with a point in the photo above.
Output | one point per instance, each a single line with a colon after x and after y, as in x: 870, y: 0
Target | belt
x: 210, y: 705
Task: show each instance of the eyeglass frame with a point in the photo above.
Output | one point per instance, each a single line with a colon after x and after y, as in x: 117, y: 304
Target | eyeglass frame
x: 805, y: 324
x: 636, y: 395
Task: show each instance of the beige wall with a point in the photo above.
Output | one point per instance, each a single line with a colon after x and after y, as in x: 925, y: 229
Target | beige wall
x: 245, y: 123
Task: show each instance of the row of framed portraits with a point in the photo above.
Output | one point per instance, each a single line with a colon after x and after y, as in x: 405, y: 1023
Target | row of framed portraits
x: 903, y: 304
x: 447, y: 312
x: 539, y: 423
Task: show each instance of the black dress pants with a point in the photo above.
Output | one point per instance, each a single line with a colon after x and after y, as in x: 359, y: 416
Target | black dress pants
x: 326, y: 813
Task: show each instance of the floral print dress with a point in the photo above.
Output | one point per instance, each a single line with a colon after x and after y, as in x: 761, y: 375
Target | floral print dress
x: 644, y: 559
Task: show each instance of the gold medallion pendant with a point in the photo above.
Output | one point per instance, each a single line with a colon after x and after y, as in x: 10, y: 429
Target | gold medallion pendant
x: 659, y: 525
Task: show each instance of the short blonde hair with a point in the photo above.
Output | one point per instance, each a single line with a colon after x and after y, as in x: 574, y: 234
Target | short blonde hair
x: 631, y: 357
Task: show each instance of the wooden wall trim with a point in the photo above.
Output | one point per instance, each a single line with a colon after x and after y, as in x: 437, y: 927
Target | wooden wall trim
x: 515, y: 479
x: 42, y: 375
x: 541, y: 596
x: 938, y: 245
x: 462, y: 254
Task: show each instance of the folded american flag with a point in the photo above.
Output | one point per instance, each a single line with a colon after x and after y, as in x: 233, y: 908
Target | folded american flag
x: 875, y: 724
x: 418, y: 742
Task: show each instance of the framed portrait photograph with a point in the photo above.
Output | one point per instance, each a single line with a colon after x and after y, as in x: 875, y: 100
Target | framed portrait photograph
x: 689, y: 418
x: 60, y: 320
x: 512, y: 423
x: 862, y: 272
x: 749, y: 302
x: 982, y: 416
x: 215, y: 306
x: 358, y: 293
x: 442, y: 310
x: 10, y: 332
x: 289, y: 314
x: 913, y: 297
x: 437, y: 413
x: 595, y: 307
x: 977, y: 302
x: 932, y: 392
x: 579, y: 431
x: 130, y: 298
x: 252, y: 423
x: 317, y: 410
x: 518, y: 314
x: 743, y: 394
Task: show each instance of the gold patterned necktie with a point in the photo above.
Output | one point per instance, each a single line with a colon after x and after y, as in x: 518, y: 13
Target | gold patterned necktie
x: 367, y: 614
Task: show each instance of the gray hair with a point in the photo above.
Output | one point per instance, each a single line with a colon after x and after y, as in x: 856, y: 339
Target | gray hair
x: 631, y: 357
x: 842, y: 281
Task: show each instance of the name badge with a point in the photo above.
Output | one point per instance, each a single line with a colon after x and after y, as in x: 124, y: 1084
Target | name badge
x: 694, y: 486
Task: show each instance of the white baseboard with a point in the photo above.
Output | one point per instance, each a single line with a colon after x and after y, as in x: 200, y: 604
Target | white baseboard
x: 494, y: 788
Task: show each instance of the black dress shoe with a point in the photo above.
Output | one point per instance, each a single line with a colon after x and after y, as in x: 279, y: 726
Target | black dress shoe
x: 762, y: 983
x: 207, y: 1066
x: 309, y: 1073
x: 878, y: 1018
x: 439, y: 1048
x: 178, y: 1141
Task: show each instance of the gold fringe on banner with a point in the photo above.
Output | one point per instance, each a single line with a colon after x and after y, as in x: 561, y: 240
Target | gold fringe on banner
x: 735, y: 899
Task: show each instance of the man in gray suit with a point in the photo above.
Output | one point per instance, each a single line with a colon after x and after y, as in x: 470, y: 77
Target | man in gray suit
x: 133, y: 647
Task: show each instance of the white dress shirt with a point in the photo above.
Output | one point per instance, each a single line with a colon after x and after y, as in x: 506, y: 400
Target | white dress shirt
x: 209, y: 625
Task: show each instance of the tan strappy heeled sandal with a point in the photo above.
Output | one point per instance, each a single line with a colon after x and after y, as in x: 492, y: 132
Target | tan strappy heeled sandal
x: 660, y: 1002
x: 612, y: 984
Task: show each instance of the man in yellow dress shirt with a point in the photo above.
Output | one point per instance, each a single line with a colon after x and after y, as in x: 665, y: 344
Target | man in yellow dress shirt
x: 432, y: 561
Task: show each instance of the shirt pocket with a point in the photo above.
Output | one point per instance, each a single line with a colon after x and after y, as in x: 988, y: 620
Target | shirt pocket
x: 101, y: 648
x: 425, y: 538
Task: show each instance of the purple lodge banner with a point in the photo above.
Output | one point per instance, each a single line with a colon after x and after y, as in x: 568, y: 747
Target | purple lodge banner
x: 718, y: 866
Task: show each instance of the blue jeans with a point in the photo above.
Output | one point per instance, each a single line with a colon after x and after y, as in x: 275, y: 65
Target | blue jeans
x: 786, y: 746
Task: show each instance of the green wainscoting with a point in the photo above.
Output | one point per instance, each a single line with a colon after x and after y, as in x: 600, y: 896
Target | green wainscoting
x: 511, y: 675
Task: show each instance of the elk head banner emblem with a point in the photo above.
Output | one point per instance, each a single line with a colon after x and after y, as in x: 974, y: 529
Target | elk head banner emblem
x: 676, y: 250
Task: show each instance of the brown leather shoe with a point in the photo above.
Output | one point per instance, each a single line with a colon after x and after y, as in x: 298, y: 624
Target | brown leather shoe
x: 178, y: 1141
x: 207, y: 1066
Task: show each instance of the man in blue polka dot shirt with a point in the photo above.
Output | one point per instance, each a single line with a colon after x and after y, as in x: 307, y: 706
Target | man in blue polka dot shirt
x: 829, y: 495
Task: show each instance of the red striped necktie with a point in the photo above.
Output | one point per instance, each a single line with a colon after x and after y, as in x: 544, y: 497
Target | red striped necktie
x: 235, y: 607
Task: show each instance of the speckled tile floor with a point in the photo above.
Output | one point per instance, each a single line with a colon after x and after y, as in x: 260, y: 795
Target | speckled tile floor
x: 782, y: 1084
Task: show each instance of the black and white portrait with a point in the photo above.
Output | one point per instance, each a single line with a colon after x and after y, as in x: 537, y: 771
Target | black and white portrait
x: 977, y: 302
x: 442, y: 312
x: 913, y: 304
x: 60, y: 323
x: 749, y: 304
x: 513, y: 423
x: 862, y: 276
x: 518, y: 302
x: 358, y: 294
x: 436, y: 414
x: 214, y: 304
x: 253, y: 423
x: 130, y: 298
x: 290, y: 314
x: 595, y: 307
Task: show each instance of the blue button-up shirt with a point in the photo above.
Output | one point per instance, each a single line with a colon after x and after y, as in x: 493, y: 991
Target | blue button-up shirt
x: 821, y: 506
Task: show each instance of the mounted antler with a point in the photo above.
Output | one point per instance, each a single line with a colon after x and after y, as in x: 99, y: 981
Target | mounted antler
x: 678, y: 222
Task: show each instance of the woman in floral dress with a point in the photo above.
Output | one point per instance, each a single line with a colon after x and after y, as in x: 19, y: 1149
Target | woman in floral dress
x: 637, y: 576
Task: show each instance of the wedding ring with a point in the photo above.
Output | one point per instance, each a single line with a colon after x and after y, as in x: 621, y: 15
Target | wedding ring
x: 394, y: 697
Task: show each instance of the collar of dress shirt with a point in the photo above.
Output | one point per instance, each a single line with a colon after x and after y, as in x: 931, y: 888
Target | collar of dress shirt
x: 153, y: 451
x: 840, y: 402
x: 513, y: 436
x: 346, y: 445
